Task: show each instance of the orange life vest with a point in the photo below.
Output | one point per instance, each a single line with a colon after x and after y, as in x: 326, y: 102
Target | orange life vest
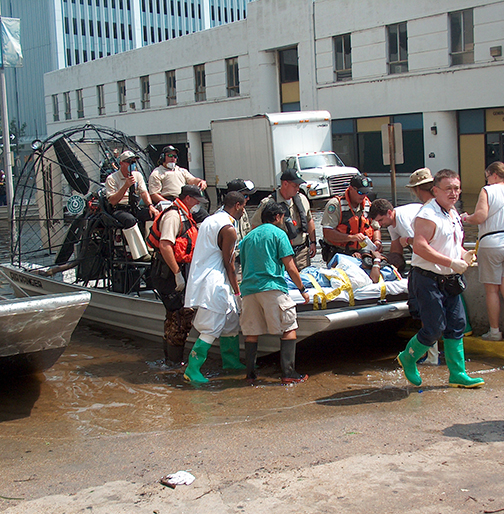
x: 185, y: 241
x: 351, y: 223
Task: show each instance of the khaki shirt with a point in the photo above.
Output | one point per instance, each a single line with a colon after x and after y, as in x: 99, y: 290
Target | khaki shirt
x: 169, y: 226
x: 167, y: 182
x: 116, y: 181
x: 300, y: 239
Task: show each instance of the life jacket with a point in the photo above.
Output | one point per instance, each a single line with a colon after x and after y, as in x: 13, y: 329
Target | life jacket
x: 290, y: 225
x: 351, y: 223
x: 185, y: 241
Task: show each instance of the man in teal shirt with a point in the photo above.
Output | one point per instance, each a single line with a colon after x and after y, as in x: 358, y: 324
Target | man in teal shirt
x: 267, y: 307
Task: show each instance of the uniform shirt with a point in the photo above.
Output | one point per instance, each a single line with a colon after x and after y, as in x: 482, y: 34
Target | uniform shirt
x: 208, y: 285
x: 167, y: 182
x: 261, y: 254
x: 447, y: 238
x: 116, y: 180
x: 404, y: 217
x: 495, y: 219
x: 300, y: 238
x: 170, y: 226
x: 332, y: 214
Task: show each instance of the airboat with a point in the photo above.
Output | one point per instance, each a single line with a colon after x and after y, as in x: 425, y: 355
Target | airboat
x: 66, y: 240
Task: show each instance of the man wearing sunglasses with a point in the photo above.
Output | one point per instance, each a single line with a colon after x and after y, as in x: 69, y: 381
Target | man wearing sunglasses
x: 345, y: 222
x: 166, y: 181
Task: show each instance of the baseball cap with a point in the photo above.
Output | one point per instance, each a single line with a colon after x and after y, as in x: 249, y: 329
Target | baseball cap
x: 242, y: 186
x: 292, y: 175
x: 128, y: 154
x: 419, y: 177
x: 361, y: 183
x: 169, y: 148
x: 194, y: 192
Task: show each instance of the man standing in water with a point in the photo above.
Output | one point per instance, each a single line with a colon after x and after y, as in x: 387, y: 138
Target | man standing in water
x: 437, y: 264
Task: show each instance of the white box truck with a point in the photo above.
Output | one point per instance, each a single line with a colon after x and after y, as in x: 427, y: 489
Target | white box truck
x: 260, y: 147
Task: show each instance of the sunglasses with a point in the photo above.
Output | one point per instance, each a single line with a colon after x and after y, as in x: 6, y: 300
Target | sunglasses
x: 171, y: 155
x: 360, y: 192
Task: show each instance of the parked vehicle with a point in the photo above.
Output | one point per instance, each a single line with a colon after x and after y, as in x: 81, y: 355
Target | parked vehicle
x: 260, y: 147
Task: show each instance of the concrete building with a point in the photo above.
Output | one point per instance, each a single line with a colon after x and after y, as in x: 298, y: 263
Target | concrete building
x: 60, y: 33
x: 434, y: 67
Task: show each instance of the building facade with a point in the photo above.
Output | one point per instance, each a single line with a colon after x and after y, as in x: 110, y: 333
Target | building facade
x: 433, y: 67
x: 60, y: 33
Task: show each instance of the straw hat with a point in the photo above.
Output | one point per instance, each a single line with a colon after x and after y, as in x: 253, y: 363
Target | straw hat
x: 419, y: 177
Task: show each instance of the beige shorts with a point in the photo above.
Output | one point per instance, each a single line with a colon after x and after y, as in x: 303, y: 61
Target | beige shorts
x: 268, y: 312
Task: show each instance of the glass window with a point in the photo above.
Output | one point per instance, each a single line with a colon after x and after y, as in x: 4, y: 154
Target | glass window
x: 397, y: 48
x: 233, y: 79
x: 289, y: 68
x: 199, y: 83
x: 100, y: 93
x: 461, y: 37
x: 68, y: 106
x: 80, y: 104
x: 171, y: 88
x: 342, y: 58
x: 121, y: 95
x: 145, y: 91
x: 472, y: 122
x: 55, y: 107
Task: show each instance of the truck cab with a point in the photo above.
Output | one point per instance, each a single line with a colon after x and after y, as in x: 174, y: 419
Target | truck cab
x: 324, y: 172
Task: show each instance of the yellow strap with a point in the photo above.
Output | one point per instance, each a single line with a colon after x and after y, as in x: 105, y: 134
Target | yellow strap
x: 345, y: 286
x: 319, y: 298
x: 383, y: 288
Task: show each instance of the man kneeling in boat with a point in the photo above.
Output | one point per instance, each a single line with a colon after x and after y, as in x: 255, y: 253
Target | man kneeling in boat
x: 123, y: 188
x: 173, y: 236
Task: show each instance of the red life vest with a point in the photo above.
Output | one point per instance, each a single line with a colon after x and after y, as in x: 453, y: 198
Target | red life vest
x: 351, y: 223
x: 185, y: 241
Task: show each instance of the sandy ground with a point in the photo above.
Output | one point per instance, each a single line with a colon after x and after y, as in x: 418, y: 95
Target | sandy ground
x: 361, y: 443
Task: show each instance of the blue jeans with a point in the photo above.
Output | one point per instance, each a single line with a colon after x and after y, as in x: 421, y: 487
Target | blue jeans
x: 441, y: 314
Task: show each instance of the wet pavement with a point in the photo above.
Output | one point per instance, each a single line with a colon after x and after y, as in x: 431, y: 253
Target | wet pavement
x: 97, y: 431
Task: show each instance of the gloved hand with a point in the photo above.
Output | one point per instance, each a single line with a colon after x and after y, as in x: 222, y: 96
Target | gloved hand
x: 469, y: 257
x: 238, y: 301
x: 458, y: 265
x: 180, y: 281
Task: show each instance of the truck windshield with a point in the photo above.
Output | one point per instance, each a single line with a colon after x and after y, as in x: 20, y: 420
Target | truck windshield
x: 307, y: 162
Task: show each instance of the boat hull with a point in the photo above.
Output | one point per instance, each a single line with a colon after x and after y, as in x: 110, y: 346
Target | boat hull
x: 36, y: 331
x: 145, y: 317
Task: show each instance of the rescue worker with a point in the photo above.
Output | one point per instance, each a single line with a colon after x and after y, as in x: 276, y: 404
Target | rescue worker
x: 298, y: 222
x: 123, y: 188
x: 267, y: 305
x: 173, y: 236
x: 166, y: 181
x: 213, y: 289
x: 345, y: 222
x: 435, y: 281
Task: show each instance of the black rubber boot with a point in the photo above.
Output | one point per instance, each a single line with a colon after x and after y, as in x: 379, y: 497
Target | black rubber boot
x: 288, y: 361
x: 250, y: 360
x: 174, y: 355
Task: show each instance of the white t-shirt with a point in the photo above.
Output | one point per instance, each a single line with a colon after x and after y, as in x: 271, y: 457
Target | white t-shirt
x: 404, y: 217
x: 447, y: 238
x: 495, y: 219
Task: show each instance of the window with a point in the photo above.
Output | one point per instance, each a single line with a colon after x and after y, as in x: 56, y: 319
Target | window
x: 80, y: 104
x: 145, y: 91
x: 461, y: 37
x: 397, y: 48
x: 171, y: 88
x: 68, y: 107
x: 121, y: 95
x: 199, y: 83
x: 55, y: 106
x: 233, y: 78
x: 100, y: 93
x: 289, y: 69
x: 342, y: 58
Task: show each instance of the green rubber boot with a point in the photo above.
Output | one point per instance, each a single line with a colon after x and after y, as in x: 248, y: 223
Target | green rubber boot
x: 230, y: 352
x: 454, y: 355
x: 197, y: 358
x: 408, y: 359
